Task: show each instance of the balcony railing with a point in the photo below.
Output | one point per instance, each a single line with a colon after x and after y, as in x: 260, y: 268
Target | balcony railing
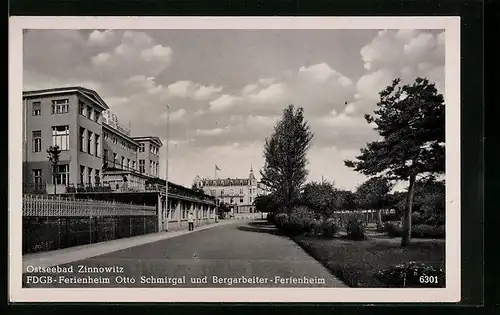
x: 118, y: 166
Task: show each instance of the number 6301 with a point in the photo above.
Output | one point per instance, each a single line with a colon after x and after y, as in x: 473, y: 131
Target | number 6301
x: 428, y: 279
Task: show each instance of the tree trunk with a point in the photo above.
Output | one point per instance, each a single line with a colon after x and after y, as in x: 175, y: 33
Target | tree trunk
x: 379, y: 219
x: 405, y: 240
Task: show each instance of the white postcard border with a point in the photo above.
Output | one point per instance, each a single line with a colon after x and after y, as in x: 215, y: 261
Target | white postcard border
x: 451, y: 293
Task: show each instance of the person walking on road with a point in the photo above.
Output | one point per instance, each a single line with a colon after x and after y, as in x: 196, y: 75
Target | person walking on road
x: 190, y: 221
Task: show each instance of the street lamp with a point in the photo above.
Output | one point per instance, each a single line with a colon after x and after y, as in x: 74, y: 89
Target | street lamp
x: 166, y: 167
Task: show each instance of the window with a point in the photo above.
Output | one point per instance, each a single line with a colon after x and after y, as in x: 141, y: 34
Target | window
x: 81, y: 108
x: 134, y: 165
x: 37, y: 108
x: 89, y: 141
x: 37, y: 176
x: 222, y: 192
x: 97, y: 145
x: 157, y: 169
x: 37, y: 140
x: 106, y: 136
x: 141, y: 147
x: 60, y: 137
x: 62, y: 176
x: 123, y: 161
x: 241, y: 191
x: 250, y: 199
x: 105, y: 154
x: 115, y: 158
x: 96, y: 116
x: 90, y: 111
x: 128, y: 163
x: 142, y: 166
x: 241, y: 199
x: 90, y: 170
x: 60, y: 106
x: 82, y: 174
x: 97, y: 176
x: 82, y: 139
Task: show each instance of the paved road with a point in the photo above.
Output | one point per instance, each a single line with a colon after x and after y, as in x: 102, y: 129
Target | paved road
x: 244, y: 254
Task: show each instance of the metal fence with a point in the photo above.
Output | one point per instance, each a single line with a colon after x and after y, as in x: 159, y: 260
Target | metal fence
x: 51, y: 223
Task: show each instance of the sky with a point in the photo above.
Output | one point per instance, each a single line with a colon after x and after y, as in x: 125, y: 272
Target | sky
x: 227, y: 88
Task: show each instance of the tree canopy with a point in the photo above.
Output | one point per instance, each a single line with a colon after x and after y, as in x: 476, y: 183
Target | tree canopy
x: 319, y: 196
x: 285, y: 152
x: 410, y: 120
x: 373, y: 193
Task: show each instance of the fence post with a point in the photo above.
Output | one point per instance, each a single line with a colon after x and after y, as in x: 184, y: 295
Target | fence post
x: 144, y: 217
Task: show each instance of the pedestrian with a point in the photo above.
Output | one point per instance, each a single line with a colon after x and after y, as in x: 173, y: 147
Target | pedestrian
x: 190, y: 221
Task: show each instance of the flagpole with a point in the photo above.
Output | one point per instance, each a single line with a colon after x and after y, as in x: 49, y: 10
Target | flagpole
x: 166, y: 170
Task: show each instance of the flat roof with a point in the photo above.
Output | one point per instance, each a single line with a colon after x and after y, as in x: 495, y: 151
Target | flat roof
x: 91, y: 94
x: 149, y: 138
x: 121, y: 134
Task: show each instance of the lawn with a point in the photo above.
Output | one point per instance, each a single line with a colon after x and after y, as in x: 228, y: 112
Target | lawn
x: 357, y: 262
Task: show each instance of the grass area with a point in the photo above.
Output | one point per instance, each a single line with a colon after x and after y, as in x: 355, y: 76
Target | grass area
x: 357, y: 262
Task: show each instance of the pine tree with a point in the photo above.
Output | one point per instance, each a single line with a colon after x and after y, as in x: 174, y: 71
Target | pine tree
x: 411, y: 122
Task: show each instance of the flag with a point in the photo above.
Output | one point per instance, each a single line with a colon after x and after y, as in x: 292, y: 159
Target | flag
x: 217, y: 168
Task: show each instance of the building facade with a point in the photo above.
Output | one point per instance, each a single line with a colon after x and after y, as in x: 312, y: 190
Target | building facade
x: 72, y: 119
x: 96, y: 149
x: 238, y: 193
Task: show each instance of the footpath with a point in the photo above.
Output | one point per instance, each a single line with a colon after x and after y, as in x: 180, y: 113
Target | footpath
x: 71, y: 254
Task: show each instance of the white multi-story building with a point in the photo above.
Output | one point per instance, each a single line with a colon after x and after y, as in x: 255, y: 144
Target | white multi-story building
x: 238, y: 193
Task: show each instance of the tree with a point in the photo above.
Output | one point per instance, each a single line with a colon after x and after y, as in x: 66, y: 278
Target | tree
x: 197, y: 189
x: 320, y: 197
x: 265, y: 203
x: 54, y: 153
x: 345, y: 200
x: 410, y: 120
x: 285, y: 152
x: 373, y: 195
x: 223, y: 209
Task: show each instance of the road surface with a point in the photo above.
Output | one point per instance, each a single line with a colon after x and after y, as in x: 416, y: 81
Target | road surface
x: 243, y: 254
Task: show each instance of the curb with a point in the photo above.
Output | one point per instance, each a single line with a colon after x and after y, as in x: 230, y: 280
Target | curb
x: 72, y: 254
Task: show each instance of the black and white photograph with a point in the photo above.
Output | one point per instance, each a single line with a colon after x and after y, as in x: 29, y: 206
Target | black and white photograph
x: 216, y: 159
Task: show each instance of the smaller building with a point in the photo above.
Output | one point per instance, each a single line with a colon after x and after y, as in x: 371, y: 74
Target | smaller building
x: 149, y: 155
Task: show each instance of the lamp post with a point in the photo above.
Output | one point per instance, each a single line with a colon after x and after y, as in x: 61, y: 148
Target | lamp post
x: 166, y: 168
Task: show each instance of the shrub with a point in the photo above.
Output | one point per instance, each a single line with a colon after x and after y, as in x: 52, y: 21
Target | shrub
x: 301, y: 220
x: 418, y: 218
x: 280, y: 220
x: 412, y: 275
x: 441, y: 231
x: 316, y: 227
x: 270, y: 217
x: 329, y: 227
x: 427, y: 231
x: 393, y: 230
x: 390, y: 217
x: 355, y: 229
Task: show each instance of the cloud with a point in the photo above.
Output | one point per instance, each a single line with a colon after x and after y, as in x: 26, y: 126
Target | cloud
x: 175, y: 116
x: 369, y: 85
x: 274, y: 93
x: 212, y: 132
x: 196, y: 91
x: 101, y: 38
x: 224, y: 102
x: 138, y: 52
x: 204, y: 93
x: 180, y: 89
x: 225, y: 112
